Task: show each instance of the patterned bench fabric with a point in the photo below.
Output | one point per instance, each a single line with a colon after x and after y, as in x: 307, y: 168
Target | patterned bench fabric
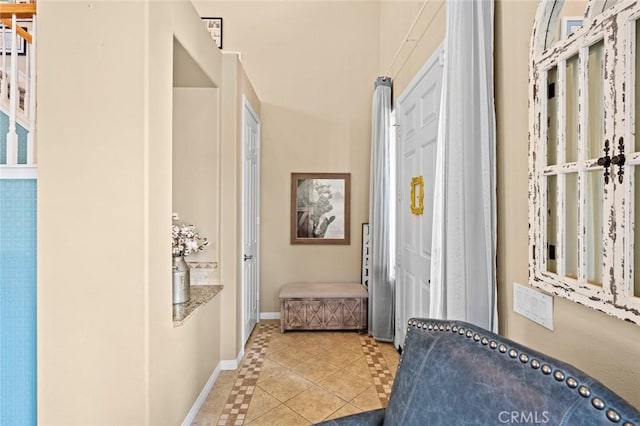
x: 323, y: 306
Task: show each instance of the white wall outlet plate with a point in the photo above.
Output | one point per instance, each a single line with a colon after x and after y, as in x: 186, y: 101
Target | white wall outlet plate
x: 532, y: 304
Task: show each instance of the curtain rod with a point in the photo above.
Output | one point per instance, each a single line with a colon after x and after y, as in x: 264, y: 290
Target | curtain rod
x: 406, y: 37
x: 421, y: 35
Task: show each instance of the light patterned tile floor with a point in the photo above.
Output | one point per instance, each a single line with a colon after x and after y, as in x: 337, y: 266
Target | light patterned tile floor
x: 301, y: 378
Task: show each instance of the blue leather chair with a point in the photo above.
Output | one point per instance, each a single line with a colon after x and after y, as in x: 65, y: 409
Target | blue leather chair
x: 454, y: 373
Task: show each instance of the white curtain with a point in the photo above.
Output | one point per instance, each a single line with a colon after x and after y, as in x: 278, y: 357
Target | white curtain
x: 381, y: 282
x: 463, y: 263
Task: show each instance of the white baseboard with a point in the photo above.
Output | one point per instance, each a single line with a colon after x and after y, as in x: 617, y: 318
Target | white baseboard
x: 191, y: 416
x: 269, y: 315
x: 232, y: 364
x: 228, y: 364
x: 225, y: 364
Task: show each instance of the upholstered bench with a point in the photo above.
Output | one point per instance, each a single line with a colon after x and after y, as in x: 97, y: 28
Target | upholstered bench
x: 323, y: 306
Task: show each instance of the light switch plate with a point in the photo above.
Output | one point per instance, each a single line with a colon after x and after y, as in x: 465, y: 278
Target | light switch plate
x: 532, y: 304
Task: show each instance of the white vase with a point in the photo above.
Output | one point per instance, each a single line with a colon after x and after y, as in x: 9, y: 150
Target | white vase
x: 181, y: 284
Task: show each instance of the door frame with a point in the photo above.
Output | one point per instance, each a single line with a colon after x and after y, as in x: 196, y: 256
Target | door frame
x: 248, y: 108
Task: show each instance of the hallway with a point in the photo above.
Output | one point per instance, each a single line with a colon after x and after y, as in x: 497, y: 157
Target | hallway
x: 300, y: 378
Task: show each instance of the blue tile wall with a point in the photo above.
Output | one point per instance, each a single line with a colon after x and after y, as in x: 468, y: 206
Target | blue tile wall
x: 22, y: 140
x: 18, y: 302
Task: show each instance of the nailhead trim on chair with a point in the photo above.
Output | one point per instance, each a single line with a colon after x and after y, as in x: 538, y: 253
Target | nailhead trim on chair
x: 584, y: 391
x: 546, y: 369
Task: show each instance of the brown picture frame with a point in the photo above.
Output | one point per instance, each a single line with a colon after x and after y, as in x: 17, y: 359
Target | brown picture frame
x: 321, y: 208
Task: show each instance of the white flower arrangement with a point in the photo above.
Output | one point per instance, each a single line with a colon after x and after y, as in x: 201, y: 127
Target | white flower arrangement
x: 185, y: 239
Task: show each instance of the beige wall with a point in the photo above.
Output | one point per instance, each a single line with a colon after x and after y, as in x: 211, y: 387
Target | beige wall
x: 91, y: 210
x: 108, y: 353
x: 195, y: 160
x: 180, y: 359
x: 314, y: 65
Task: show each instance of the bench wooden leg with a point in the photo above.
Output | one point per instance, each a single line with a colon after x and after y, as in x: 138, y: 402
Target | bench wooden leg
x: 283, y: 318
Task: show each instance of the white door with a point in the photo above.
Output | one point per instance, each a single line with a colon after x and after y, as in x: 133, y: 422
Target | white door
x: 250, y: 218
x: 417, y: 115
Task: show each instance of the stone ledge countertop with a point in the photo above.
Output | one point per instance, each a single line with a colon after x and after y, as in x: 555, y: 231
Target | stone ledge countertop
x: 200, y: 295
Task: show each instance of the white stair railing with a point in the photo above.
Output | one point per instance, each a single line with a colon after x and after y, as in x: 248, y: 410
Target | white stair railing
x: 12, y: 135
x: 30, y: 97
x: 17, y: 78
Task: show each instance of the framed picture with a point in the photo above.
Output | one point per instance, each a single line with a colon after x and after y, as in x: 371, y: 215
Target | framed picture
x: 320, y: 208
x: 214, y: 26
x: 569, y: 24
x: 22, y: 44
x: 366, y: 255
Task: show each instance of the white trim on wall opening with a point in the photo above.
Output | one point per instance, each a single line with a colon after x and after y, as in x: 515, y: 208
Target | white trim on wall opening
x: 18, y: 172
